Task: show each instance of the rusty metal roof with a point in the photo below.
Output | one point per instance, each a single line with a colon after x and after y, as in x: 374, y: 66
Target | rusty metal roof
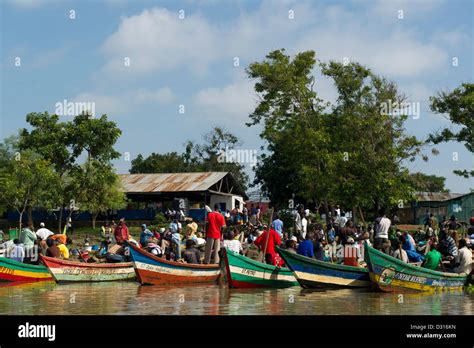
x: 170, y: 182
x: 436, y: 196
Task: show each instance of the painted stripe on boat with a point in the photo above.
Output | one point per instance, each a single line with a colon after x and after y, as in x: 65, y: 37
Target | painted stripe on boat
x: 158, y: 268
x: 275, y: 276
x: 324, y: 279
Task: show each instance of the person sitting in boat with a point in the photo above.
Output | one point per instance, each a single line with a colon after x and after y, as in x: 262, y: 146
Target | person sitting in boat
x: 447, y: 246
x: 269, y: 239
x: 16, y: 252
x: 191, y: 229
x: 398, y: 252
x: 145, y: 235
x: 192, y: 254
x: 409, y: 247
x: 121, y: 232
x: 53, y: 250
x: 306, y: 247
x: 231, y: 243
x: 62, y: 247
x: 464, y: 258
x: 433, y: 259
x: 291, y: 244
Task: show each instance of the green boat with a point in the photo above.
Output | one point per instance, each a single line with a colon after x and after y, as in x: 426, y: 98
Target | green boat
x: 243, y: 272
x: 391, y: 274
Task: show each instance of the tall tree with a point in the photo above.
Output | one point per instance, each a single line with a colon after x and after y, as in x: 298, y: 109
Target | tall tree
x: 459, y: 105
x: 98, y: 188
x: 328, y: 154
x: 26, y: 180
x: 427, y: 183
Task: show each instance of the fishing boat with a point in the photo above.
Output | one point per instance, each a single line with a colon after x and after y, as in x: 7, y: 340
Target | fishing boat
x: 243, y: 272
x: 11, y: 271
x: 70, y: 271
x: 391, y: 274
x: 312, y: 273
x: 151, y: 269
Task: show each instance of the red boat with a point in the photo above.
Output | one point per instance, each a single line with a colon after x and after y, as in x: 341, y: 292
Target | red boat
x: 151, y: 269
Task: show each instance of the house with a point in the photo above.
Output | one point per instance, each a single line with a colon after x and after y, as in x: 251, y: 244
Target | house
x: 187, y: 191
x: 439, y: 204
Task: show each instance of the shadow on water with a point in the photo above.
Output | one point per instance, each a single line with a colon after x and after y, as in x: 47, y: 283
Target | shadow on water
x: 122, y: 298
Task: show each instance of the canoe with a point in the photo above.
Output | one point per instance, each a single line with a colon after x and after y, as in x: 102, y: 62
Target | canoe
x: 243, y: 272
x: 312, y: 273
x: 151, y: 269
x: 391, y: 274
x: 11, y: 271
x: 70, y: 271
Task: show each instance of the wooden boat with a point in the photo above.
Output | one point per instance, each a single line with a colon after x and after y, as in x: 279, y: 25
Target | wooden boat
x: 11, y: 271
x: 151, y: 269
x: 243, y: 272
x: 312, y: 273
x: 70, y: 271
x: 391, y: 274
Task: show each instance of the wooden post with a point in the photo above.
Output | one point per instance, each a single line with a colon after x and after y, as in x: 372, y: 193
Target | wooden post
x: 268, y: 235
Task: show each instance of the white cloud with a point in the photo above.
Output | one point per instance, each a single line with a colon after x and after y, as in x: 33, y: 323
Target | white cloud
x: 157, y: 39
x: 125, y: 102
x: 232, y: 103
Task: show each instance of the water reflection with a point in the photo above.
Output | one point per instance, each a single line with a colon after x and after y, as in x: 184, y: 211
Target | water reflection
x: 122, y: 298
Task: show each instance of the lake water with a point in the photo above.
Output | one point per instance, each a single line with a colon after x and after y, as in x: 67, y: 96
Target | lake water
x: 121, y: 298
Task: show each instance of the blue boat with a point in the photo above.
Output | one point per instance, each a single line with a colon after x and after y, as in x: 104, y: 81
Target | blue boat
x: 312, y: 273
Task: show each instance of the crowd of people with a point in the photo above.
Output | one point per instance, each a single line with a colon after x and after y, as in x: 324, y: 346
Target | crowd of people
x: 439, y: 245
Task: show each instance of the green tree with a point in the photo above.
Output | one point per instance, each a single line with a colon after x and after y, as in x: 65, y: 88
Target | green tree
x: 328, y: 153
x: 427, y: 183
x: 26, y: 180
x: 459, y: 105
x: 206, y: 156
x: 98, y: 189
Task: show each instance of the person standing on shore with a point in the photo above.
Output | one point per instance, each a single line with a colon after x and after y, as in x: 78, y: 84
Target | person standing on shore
x: 215, y: 222
x: 382, y: 225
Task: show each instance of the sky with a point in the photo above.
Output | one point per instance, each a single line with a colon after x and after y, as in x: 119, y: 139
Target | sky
x: 169, y: 71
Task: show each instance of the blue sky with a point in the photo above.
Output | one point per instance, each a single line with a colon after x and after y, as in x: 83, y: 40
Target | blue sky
x: 190, y: 61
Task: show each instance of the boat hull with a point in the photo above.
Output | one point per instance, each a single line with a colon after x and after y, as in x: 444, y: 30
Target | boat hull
x: 69, y: 271
x: 243, y: 272
x: 312, y: 273
x: 392, y: 275
x: 14, y: 271
x: 153, y: 270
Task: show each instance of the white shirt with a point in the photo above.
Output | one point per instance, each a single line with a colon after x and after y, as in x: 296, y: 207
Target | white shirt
x: 382, y: 228
x: 464, y: 259
x: 44, y: 233
x: 304, y: 224
x: 396, y: 254
x: 342, y: 221
x: 233, y: 245
x: 338, y: 211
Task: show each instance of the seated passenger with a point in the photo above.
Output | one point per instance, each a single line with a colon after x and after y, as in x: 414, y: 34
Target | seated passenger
x: 433, y: 258
x: 398, y: 252
x: 17, y: 251
x: 191, y: 254
x: 231, y: 243
x: 53, y: 250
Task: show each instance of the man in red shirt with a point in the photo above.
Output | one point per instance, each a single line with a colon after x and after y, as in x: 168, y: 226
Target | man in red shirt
x: 215, y: 222
x: 121, y: 232
x: 274, y: 240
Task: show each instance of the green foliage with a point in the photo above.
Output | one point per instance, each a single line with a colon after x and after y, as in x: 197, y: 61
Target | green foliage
x: 427, y: 183
x: 329, y: 153
x: 160, y: 220
x: 196, y: 158
x: 98, y: 188
x: 459, y: 105
x: 26, y: 180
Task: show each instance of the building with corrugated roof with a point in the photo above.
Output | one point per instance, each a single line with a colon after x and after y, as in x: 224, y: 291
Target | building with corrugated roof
x: 187, y: 191
x: 440, y: 204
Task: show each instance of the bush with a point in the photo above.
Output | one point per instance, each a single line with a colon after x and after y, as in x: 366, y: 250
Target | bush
x: 160, y: 220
